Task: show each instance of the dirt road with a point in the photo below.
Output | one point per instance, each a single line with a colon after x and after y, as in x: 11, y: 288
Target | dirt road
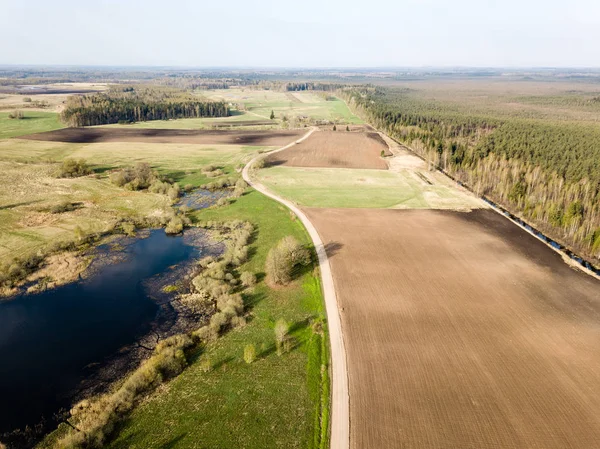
x: 340, y: 421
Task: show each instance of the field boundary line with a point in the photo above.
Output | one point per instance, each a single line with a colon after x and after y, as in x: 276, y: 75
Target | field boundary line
x: 340, y: 398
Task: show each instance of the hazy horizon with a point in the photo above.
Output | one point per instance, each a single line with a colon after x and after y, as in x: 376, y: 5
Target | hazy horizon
x: 273, y: 35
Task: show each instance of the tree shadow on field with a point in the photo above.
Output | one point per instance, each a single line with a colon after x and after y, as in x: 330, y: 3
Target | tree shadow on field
x: 332, y: 248
x: 173, y: 441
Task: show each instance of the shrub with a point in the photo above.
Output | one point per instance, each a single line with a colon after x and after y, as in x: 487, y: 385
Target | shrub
x: 74, y: 168
x: 206, y: 365
x: 281, y: 332
x: 284, y: 258
x: 128, y: 228
x: 259, y: 163
x: 65, y: 206
x: 175, y: 226
x: 25, y: 100
x: 248, y: 279
x: 137, y: 178
x: 218, y: 321
x: 249, y: 353
x: 16, y: 115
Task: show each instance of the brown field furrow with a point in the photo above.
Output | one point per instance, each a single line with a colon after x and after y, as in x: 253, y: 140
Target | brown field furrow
x: 462, y: 331
x: 336, y: 149
x: 208, y: 137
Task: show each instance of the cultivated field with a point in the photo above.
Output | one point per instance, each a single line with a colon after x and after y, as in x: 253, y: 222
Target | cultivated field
x: 462, y: 331
x: 237, y: 137
x: 336, y: 149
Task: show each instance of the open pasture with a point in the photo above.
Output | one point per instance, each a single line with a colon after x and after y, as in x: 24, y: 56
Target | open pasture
x: 336, y: 149
x: 33, y: 122
x: 330, y: 187
x: 462, y: 331
x: 260, y: 103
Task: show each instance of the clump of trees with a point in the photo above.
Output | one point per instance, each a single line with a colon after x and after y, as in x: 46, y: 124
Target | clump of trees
x: 74, y: 168
x: 141, y: 177
x: 284, y: 259
x: 139, y: 103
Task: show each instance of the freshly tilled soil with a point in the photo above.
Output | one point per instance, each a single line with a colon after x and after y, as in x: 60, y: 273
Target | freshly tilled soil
x: 335, y: 149
x: 462, y: 331
x: 208, y: 137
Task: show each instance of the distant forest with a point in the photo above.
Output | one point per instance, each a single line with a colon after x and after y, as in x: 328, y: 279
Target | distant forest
x: 123, y: 104
x: 547, y: 172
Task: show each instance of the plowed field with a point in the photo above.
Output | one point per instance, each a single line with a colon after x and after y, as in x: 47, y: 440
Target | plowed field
x: 462, y: 332
x: 336, y: 149
x: 237, y: 137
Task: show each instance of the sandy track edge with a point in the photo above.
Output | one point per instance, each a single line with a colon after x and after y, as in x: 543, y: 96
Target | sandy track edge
x: 340, y: 399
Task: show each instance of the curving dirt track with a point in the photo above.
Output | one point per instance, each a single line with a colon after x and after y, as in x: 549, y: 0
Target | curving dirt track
x: 462, y: 331
x: 208, y: 137
x: 335, y: 149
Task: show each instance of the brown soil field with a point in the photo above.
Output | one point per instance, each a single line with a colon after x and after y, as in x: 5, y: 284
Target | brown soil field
x: 335, y: 149
x: 462, y: 331
x: 235, y: 137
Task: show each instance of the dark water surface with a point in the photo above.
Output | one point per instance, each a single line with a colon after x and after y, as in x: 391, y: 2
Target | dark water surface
x: 48, y: 339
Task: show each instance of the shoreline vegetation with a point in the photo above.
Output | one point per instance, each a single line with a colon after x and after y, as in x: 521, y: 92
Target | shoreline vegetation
x: 284, y: 324
x: 220, y: 293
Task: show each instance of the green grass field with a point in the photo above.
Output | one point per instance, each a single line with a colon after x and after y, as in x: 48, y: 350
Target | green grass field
x: 34, y: 122
x: 200, y: 123
x: 260, y: 103
x: 340, y: 187
x: 271, y: 403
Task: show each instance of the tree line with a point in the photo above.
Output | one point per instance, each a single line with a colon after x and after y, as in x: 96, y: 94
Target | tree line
x: 546, y: 172
x: 133, y: 104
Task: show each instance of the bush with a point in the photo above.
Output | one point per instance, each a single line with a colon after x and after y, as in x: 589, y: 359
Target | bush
x: 128, y: 228
x: 26, y: 100
x: 281, y: 333
x: 65, y: 206
x: 283, y: 259
x: 249, y: 353
x: 74, y: 168
x: 16, y: 115
x: 175, y: 226
x: 137, y: 178
x: 248, y: 279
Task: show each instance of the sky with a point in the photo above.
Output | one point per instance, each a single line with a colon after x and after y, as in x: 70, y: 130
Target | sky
x: 306, y: 33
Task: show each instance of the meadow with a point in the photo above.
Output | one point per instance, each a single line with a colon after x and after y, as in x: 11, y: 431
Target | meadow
x: 260, y: 103
x: 333, y: 187
x: 274, y: 402
x: 33, y: 122
x: 31, y: 186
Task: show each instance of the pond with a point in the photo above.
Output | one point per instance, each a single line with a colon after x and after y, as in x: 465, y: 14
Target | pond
x: 52, y: 342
